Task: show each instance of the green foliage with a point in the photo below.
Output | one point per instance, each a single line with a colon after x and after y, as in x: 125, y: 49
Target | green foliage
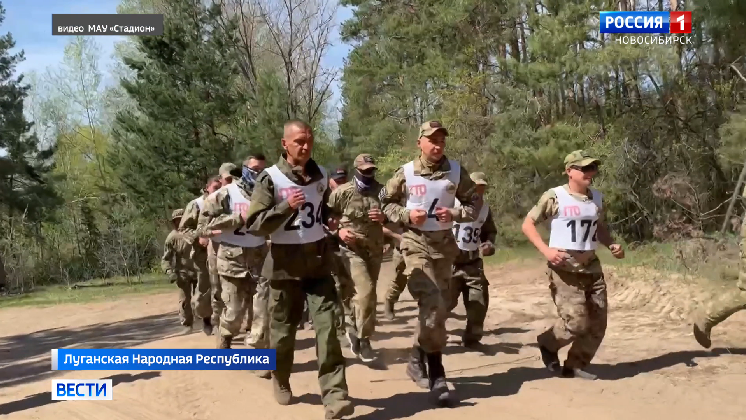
x: 520, y: 84
x: 25, y: 187
x: 177, y: 137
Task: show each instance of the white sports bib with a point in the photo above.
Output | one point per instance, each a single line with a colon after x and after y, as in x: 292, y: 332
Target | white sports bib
x: 427, y: 194
x: 304, y: 225
x: 467, y: 234
x: 575, y: 225
x: 200, y: 202
x: 238, y: 237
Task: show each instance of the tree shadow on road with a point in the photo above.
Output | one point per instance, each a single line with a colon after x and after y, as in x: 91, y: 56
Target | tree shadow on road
x: 45, y: 398
x: 26, y: 357
x: 630, y: 369
x: 466, y: 388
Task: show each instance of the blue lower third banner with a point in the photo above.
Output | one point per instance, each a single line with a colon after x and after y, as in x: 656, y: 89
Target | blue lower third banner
x: 163, y: 359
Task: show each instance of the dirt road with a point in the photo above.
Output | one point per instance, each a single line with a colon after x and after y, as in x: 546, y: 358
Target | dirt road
x: 650, y: 366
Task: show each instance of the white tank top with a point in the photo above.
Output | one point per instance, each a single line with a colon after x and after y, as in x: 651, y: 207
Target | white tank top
x: 575, y: 225
x: 467, y: 234
x: 427, y: 194
x: 305, y: 225
x: 200, y: 202
x: 238, y: 237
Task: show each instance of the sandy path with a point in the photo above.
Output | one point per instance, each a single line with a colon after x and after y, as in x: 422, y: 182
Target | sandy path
x: 651, y: 366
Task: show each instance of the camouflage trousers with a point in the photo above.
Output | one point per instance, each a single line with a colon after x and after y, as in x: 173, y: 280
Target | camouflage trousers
x: 258, y: 313
x: 468, y: 280
x: 186, y: 313
x: 399, y: 282
x: 215, y: 290
x: 582, y: 307
x: 428, y: 281
x: 345, y: 289
x: 723, y: 307
x: 364, y: 267
x: 286, y: 309
x: 201, y: 293
x: 238, y: 268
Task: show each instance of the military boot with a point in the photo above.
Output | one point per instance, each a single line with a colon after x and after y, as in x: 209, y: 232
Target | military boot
x: 702, y: 334
x: 388, y: 310
x: 417, y: 367
x: 437, y: 384
x: 569, y: 372
x: 550, y: 359
x: 264, y: 374
x: 338, y: 409
x: 224, y: 341
x: 282, y: 391
x: 207, y: 326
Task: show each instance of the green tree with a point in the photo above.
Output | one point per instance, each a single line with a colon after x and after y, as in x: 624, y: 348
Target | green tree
x: 25, y: 186
x: 180, y: 131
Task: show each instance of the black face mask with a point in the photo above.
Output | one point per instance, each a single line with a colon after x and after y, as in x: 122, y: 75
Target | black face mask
x: 366, y: 178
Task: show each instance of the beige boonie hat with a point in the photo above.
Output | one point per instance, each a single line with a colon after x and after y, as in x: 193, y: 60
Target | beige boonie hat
x: 580, y: 158
x: 226, y: 169
x: 177, y: 214
x: 365, y: 161
x: 479, y: 178
x: 430, y: 127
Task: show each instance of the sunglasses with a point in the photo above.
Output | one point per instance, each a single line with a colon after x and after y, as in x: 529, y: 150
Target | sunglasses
x: 587, y: 168
x: 368, y: 172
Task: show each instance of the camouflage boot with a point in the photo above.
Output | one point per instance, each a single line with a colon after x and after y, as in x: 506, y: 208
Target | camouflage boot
x: 702, y: 334
x: 388, y: 310
x: 417, y: 368
x: 437, y: 384
x: 338, y: 409
x: 282, y: 392
x: 207, y: 326
x: 224, y: 341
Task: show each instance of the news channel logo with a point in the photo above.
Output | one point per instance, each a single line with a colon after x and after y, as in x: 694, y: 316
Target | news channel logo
x: 82, y: 389
x: 646, y: 22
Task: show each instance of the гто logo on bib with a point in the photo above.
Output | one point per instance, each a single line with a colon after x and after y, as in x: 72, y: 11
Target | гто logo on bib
x: 320, y: 188
x: 451, y: 188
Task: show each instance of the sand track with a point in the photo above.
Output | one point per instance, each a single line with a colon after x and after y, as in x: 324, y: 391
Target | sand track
x: 651, y: 367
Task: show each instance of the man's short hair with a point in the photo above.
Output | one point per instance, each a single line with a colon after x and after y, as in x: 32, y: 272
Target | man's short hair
x: 214, y: 178
x: 296, y: 123
x: 256, y: 156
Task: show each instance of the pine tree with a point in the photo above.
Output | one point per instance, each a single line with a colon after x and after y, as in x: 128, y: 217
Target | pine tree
x: 186, y: 101
x: 24, y: 186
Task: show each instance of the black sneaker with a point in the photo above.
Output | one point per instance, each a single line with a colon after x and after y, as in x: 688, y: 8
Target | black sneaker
x: 354, y: 342
x: 366, y: 353
x: 577, y: 373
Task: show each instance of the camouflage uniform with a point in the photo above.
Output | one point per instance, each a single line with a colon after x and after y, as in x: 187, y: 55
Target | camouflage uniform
x: 299, y: 271
x: 238, y: 264
x: 188, y: 225
x: 468, y: 277
x: 350, y: 203
x: 342, y: 282
x: 577, y: 285
x: 399, y: 282
x: 726, y: 305
x: 429, y: 254
x: 179, y: 266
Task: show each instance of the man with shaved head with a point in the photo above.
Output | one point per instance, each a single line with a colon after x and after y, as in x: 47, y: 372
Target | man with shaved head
x: 289, y: 205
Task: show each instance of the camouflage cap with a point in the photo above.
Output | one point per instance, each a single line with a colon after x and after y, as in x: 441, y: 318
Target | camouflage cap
x: 226, y: 169
x: 479, y: 178
x: 340, y: 172
x: 580, y: 158
x: 177, y: 214
x: 365, y: 161
x: 430, y: 127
